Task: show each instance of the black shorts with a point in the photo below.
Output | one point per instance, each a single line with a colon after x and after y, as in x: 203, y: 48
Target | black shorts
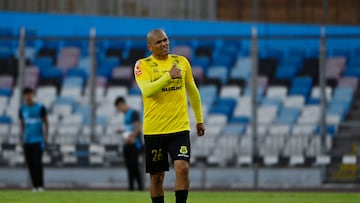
x: 158, y: 147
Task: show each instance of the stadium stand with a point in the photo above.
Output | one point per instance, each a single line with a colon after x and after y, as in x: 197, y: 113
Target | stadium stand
x: 288, y: 96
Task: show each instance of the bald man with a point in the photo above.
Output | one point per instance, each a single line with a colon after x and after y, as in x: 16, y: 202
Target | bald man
x: 165, y: 80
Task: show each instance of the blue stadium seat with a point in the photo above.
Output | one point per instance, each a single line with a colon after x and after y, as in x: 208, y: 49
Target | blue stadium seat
x: 6, y: 32
x: 84, y: 111
x: 52, y: 72
x: 301, y: 86
x: 224, y: 59
x: 5, y: 92
x: 134, y: 91
x: 272, y: 102
x: 337, y: 109
x: 234, y: 129
x: 73, y: 81
x: 224, y: 106
x: 218, y: 72
x: 208, y: 94
x: 352, y: 71
x: 101, y: 120
x: 240, y: 120
x: 104, y: 72
x: 110, y: 62
x: 240, y: 73
x: 330, y: 130
x: 343, y: 93
x: 77, y: 72
x: 260, y: 93
x: 5, y: 52
x: 288, y: 115
x: 43, y: 62
x: 274, y: 53
x: 5, y: 119
x: 354, y: 62
x: 286, y: 72
x: 201, y: 61
x: 292, y: 61
x: 66, y: 100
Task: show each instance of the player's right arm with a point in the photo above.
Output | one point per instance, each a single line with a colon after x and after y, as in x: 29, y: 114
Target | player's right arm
x: 149, y: 88
x: 22, y: 127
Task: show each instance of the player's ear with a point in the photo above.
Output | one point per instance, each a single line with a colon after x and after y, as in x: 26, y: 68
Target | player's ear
x: 149, y: 47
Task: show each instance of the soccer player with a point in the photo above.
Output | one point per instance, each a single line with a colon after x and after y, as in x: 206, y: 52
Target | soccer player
x: 34, y: 130
x: 133, y: 144
x: 164, y: 79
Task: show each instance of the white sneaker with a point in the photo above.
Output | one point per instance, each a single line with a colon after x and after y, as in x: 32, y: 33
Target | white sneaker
x: 40, y: 189
x: 34, y: 190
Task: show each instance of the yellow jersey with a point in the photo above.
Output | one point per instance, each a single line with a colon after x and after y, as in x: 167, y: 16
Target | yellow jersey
x: 164, y: 98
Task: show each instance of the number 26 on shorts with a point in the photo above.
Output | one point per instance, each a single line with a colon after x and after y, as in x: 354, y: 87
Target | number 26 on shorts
x: 157, y: 155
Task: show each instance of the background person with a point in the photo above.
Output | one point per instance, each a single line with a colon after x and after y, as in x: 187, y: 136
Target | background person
x: 34, y: 131
x: 133, y: 142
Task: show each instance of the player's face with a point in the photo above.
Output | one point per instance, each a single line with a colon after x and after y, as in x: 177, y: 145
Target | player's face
x: 28, y: 98
x: 159, y: 44
x: 121, y: 107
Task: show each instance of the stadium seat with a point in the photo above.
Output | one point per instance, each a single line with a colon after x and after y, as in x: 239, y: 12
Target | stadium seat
x: 208, y: 94
x: 74, y: 93
x: 51, y: 73
x: 183, y: 50
x: 230, y: 92
x: 198, y: 73
x: 316, y: 93
x: 234, y: 130
x: 62, y: 109
x: 46, y: 95
x: 224, y: 106
x: 122, y: 76
x: 272, y: 102
x: 115, y: 91
x: 73, y: 82
x: 297, y: 101
x: 99, y: 94
x: 5, y: 92
x: 73, y: 119
x: 286, y: 72
x: 77, y: 72
x: 288, y: 116
x: 68, y: 58
x: 267, y: 114
x: 276, y: 92
x: 134, y: 101
x: 6, y: 82
x: 219, y: 73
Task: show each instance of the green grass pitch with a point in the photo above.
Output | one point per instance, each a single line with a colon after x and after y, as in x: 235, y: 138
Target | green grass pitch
x: 194, y: 197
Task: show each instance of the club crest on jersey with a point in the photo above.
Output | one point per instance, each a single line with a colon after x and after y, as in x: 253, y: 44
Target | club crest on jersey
x: 137, y: 69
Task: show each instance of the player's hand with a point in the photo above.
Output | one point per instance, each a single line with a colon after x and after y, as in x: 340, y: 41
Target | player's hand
x: 175, y: 72
x: 200, y: 128
x: 130, y: 140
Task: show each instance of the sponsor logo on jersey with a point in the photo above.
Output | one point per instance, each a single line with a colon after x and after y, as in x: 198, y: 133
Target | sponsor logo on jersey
x: 137, y: 68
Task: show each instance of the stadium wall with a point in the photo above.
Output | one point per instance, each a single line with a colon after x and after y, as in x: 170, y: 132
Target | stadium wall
x: 214, y: 178
x: 78, y: 25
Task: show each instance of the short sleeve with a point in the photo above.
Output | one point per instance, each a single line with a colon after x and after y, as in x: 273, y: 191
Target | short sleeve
x: 43, y: 112
x: 20, y: 114
x: 135, y: 116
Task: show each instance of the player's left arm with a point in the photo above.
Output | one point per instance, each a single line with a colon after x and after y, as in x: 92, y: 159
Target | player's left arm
x: 195, y: 99
x: 137, y: 127
x: 46, y: 124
